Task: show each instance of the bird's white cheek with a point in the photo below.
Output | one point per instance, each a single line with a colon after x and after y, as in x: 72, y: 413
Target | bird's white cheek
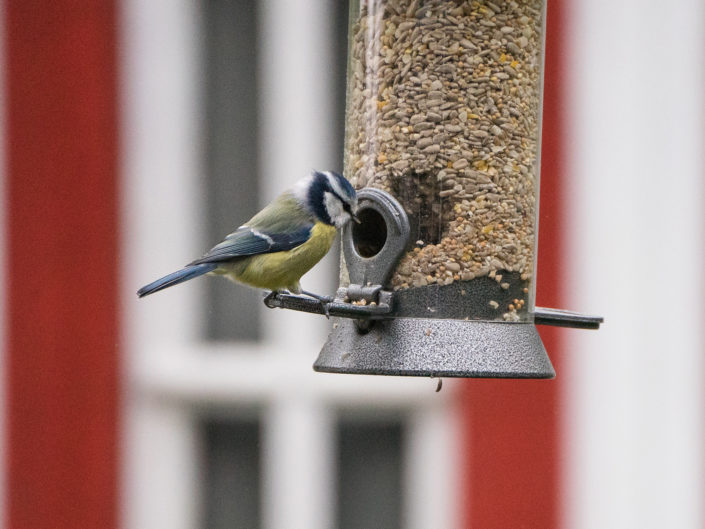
x: 342, y: 219
x: 335, y: 210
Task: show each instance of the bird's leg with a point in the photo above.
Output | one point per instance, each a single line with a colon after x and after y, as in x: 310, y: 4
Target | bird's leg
x: 319, y: 297
x: 323, y: 300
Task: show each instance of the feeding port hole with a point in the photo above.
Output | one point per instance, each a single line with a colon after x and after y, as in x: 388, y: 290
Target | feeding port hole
x: 370, y: 236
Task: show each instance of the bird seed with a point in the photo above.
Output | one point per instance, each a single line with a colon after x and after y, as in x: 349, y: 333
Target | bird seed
x: 443, y: 112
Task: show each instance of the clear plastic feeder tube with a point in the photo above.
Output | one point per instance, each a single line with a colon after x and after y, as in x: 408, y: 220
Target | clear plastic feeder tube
x: 444, y: 113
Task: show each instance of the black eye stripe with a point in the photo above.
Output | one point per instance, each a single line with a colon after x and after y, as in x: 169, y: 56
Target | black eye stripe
x: 346, y: 206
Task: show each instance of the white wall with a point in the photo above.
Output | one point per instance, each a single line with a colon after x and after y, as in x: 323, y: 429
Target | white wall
x: 637, y: 200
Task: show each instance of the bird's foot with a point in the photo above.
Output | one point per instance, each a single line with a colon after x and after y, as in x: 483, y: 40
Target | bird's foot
x: 269, y: 297
x: 323, y: 300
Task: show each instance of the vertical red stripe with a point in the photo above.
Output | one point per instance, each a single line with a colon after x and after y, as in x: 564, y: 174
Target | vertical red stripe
x: 62, y: 361
x: 512, y: 427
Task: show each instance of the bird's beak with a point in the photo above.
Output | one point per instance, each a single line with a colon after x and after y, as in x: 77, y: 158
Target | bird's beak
x: 355, y: 218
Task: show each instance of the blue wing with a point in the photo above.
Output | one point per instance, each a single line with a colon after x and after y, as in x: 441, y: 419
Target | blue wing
x: 250, y: 241
x: 175, y: 278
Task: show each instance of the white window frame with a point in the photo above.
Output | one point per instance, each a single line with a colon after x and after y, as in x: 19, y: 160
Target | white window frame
x: 171, y: 373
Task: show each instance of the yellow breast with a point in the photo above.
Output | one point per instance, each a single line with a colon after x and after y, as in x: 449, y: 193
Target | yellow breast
x: 282, y: 270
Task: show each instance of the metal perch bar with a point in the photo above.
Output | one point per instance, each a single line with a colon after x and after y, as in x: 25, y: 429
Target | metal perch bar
x: 542, y: 316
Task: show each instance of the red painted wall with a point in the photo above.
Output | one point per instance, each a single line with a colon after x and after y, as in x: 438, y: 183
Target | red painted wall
x: 512, y: 428
x: 62, y: 264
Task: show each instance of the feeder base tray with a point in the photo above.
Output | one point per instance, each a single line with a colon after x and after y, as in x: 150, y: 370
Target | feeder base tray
x: 437, y: 348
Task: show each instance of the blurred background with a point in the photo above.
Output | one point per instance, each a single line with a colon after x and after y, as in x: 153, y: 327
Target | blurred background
x: 136, y: 133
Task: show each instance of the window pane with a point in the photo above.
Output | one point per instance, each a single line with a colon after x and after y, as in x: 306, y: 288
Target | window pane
x: 369, y: 475
x: 231, y: 491
x: 230, y: 150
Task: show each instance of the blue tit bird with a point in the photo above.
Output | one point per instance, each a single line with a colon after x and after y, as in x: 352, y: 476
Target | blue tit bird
x: 280, y: 243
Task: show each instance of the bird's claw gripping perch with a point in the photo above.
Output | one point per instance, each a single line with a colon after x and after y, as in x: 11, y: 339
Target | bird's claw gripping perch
x: 323, y: 300
x: 326, y: 305
x: 308, y: 302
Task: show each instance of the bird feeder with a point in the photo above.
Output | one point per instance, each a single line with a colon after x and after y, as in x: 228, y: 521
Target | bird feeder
x: 443, y: 129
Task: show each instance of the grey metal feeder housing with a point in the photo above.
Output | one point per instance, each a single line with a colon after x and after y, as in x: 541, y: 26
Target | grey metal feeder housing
x: 443, y: 143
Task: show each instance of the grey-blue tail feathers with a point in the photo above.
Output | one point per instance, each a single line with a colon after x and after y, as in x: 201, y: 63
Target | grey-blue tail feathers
x: 177, y: 277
